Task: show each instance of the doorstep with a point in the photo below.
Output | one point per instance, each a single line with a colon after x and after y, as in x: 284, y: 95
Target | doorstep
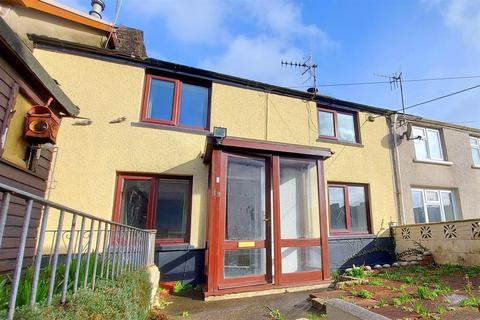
x: 257, y: 293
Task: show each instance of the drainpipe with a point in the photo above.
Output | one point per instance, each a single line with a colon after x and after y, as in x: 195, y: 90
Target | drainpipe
x: 396, y: 172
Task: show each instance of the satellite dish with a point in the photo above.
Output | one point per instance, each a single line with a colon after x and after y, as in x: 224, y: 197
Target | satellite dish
x: 409, y: 132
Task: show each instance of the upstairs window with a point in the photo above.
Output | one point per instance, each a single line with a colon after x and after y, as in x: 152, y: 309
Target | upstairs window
x: 337, y: 125
x: 175, y: 102
x: 429, y: 145
x: 349, y: 211
x: 475, y: 145
x: 433, y: 205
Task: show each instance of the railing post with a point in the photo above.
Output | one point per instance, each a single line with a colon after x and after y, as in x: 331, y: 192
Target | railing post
x: 18, y: 268
x: 151, y: 247
x: 97, y: 247
x: 3, y: 214
x: 53, y: 272
x: 69, y: 259
x: 38, y: 256
x: 89, y: 248
x: 79, y: 256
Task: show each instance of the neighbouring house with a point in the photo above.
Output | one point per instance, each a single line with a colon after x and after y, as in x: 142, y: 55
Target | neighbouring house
x: 439, y: 171
x: 25, y: 161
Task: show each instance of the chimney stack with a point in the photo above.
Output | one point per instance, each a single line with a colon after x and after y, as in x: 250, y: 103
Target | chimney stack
x: 97, y: 8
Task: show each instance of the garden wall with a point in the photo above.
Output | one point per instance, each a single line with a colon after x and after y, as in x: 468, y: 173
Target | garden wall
x: 452, y: 242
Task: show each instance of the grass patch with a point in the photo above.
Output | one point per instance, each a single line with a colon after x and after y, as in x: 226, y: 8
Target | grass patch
x: 128, y: 297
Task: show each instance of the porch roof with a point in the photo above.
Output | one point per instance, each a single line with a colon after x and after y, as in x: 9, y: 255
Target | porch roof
x: 263, y: 146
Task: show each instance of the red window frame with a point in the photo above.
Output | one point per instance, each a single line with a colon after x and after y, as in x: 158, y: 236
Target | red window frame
x: 175, y: 120
x: 152, y: 203
x: 335, y: 124
x: 348, y: 230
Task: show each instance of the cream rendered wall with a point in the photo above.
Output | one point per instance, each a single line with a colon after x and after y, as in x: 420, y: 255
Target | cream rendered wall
x: 259, y: 115
x: 89, y: 157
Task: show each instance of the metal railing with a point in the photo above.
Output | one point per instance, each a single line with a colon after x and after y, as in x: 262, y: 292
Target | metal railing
x: 104, y: 248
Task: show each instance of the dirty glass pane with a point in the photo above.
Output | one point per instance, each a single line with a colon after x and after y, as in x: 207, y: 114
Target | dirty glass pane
x: 245, y: 199
x: 244, y: 262
x: 299, y: 211
x: 194, y: 106
x: 418, y: 208
x: 432, y: 196
x: 172, y: 208
x: 337, y: 208
x: 346, y: 127
x: 448, y: 207
x: 297, y: 259
x: 420, y: 144
x: 434, y: 144
x: 160, y: 101
x: 358, y: 208
x: 434, y: 213
x: 325, y: 124
x: 134, y: 206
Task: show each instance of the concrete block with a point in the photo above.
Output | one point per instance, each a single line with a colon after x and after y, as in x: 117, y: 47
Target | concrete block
x: 340, y: 309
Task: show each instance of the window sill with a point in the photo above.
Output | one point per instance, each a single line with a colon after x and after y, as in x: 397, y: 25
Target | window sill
x: 173, y: 247
x: 439, y: 162
x: 340, y: 236
x: 169, y: 127
x: 345, y: 143
x: 475, y: 166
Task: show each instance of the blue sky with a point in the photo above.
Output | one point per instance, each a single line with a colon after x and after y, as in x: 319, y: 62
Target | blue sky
x: 350, y: 40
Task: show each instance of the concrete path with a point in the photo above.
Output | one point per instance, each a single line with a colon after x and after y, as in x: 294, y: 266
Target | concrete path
x: 291, y: 305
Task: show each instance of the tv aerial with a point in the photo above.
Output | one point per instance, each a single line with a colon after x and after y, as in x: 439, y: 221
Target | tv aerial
x: 308, y: 68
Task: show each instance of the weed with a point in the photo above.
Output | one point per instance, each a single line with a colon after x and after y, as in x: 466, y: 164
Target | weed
x: 185, y: 314
x: 425, y: 293
x: 357, y: 272
x: 315, y: 316
x: 404, y: 298
x: 335, y: 275
x: 419, y: 308
x: 403, y: 287
x: 180, y: 287
x: 441, y: 309
x: 375, y: 282
x: 382, y: 302
x: 365, y: 294
x: 275, y: 314
x: 470, y: 302
x: 396, y: 302
x: 407, y: 279
x: 442, y: 288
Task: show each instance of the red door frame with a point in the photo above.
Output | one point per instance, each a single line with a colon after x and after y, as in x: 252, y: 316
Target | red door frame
x: 214, y: 253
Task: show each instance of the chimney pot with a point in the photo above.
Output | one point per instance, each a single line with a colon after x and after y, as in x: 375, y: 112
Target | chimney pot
x: 97, y: 8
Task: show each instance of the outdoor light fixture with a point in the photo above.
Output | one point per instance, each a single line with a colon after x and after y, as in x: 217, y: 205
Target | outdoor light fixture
x: 219, y: 132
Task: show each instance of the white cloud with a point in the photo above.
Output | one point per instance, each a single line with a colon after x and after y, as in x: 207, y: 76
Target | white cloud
x: 196, y: 21
x: 258, y: 59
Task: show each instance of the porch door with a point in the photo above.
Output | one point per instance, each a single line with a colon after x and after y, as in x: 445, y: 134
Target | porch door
x: 245, y: 236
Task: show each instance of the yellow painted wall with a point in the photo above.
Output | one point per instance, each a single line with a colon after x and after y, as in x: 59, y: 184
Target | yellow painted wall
x: 90, y: 156
x: 15, y: 144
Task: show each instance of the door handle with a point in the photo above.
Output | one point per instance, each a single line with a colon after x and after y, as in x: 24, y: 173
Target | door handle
x: 266, y: 219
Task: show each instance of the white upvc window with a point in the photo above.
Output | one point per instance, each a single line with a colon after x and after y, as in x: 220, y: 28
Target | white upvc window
x: 475, y: 146
x: 431, y: 205
x: 429, y: 145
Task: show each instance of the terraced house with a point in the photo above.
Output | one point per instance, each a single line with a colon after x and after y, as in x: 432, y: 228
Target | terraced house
x: 248, y: 186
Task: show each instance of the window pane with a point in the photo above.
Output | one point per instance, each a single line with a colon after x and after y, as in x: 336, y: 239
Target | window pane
x: 434, y: 214
x: 432, y: 196
x: 418, y: 208
x: 476, y: 156
x: 173, y: 201
x: 473, y: 141
x: 134, y: 206
x: 337, y: 208
x: 434, y: 144
x: 299, y: 209
x: 297, y: 259
x: 245, y: 262
x: 448, y: 207
x: 325, y: 124
x: 420, y: 144
x: 194, y: 106
x: 358, y: 209
x: 245, y: 199
x: 160, y: 101
x: 346, y: 127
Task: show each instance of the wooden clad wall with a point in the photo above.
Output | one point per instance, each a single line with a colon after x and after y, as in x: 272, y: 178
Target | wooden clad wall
x: 33, y: 181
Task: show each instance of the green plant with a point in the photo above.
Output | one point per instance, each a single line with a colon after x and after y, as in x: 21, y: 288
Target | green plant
x: 382, y: 302
x: 315, y: 316
x: 180, y: 287
x: 419, y: 308
x: 128, y: 297
x: 403, y: 287
x: 470, y: 302
x: 356, y: 272
x: 365, y: 294
x: 441, y: 309
x: 185, y: 314
x: 335, y: 275
x: 425, y: 293
x: 442, y: 288
x: 396, y: 302
x: 375, y: 282
x: 275, y: 314
x: 404, y: 298
x: 407, y: 279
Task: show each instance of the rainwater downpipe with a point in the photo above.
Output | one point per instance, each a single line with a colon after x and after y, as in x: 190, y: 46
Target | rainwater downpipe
x: 396, y: 171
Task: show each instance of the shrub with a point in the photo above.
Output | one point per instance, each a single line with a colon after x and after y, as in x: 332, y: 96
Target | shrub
x: 128, y: 297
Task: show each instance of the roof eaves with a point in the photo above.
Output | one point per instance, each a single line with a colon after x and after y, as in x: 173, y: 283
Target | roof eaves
x: 13, y: 43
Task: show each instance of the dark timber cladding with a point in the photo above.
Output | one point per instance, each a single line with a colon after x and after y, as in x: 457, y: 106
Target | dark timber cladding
x: 21, y: 73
